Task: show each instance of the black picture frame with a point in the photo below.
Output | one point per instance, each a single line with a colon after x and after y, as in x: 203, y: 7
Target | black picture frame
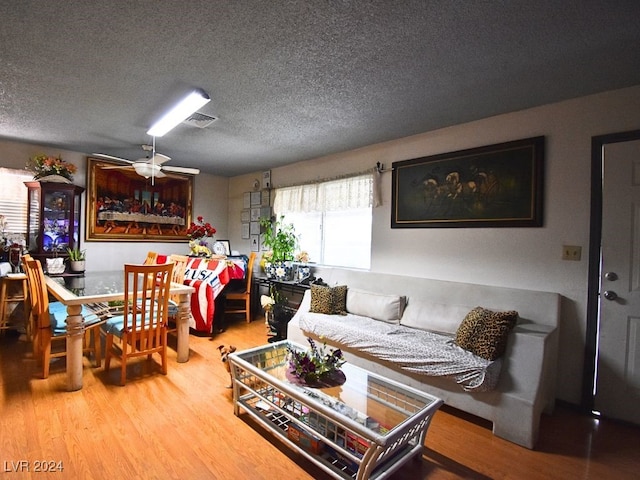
x: 497, y: 185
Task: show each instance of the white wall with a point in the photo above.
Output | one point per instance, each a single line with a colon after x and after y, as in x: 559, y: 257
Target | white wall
x: 210, y: 201
x: 515, y: 257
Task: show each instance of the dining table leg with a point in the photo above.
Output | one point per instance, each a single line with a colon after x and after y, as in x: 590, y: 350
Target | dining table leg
x: 182, y: 327
x: 75, y: 334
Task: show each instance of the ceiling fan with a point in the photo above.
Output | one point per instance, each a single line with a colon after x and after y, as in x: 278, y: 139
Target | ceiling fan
x: 150, y: 166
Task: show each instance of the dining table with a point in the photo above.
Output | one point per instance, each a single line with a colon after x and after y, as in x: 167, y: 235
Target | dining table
x: 105, y: 287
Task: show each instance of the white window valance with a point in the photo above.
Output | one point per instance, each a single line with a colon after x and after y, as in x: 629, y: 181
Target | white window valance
x: 332, y: 195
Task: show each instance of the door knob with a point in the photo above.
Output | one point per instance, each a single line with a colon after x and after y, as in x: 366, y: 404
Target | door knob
x: 612, y: 276
x: 610, y: 295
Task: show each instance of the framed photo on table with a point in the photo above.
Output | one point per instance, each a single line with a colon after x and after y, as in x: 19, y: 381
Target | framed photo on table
x: 222, y: 247
x: 492, y: 186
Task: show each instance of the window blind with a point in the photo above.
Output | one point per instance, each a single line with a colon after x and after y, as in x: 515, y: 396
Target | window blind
x: 13, y: 199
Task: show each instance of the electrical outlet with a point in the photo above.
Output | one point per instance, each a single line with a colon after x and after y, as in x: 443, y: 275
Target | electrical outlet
x: 571, y: 252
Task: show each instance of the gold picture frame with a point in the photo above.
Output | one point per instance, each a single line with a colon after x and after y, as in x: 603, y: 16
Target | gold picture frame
x: 124, y: 206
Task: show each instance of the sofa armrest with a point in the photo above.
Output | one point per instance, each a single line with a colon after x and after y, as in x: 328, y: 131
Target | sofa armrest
x: 528, y: 371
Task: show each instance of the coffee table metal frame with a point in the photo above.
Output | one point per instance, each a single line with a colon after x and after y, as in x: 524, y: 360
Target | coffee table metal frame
x: 338, y: 437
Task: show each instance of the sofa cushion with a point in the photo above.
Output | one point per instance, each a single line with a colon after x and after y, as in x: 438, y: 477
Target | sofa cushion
x: 484, y: 332
x: 435, y: 317
x: 328, y: 300
x: 387, y: 308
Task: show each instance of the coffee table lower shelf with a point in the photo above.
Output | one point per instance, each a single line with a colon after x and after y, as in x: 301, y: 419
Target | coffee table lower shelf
x: 332, y: 462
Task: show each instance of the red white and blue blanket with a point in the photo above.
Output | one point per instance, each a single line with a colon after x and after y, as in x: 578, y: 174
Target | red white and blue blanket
x: 209, y: 278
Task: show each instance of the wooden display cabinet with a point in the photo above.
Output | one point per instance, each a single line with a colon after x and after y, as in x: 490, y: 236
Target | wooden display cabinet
x: 53, y: 218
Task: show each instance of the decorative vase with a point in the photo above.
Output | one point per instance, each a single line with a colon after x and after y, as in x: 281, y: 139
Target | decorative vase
x: 280, y: 271
x: 53, y: 178
x: 77, y: 266
x: 55, y: 266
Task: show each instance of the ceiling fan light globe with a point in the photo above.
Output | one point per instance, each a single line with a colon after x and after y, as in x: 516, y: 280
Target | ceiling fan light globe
x: 145, y: 169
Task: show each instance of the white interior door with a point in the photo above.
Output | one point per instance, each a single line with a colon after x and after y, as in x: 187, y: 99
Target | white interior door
x: 618, y: 368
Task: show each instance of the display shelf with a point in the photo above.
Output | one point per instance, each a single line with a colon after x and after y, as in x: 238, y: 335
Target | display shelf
x: 53, y: 218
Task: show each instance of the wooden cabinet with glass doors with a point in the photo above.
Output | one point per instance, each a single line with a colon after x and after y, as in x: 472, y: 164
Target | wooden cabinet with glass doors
x: 53, y: 218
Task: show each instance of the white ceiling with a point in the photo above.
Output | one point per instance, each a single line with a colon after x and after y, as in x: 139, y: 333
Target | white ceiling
x: 294, y: 80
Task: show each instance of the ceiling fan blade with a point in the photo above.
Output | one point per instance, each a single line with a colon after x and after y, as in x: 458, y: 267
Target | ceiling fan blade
x: 117, y: 167
x: 188, y: 171
x: 159, y: 158
x: 111, y: 157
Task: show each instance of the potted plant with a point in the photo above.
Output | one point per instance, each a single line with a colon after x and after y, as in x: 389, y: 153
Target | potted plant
x: 281, y: 239
x: 77, y: 259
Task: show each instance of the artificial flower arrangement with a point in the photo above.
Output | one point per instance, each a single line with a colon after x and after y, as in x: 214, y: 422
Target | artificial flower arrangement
x: 315, y: 364
x: 267, y: 258
x: 200, y: 229
x: 303, y: 257
x: 198, y: 232
x: 45, y: 165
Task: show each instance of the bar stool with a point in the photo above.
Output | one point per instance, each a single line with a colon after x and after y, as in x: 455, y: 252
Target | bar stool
x: 14, y: 289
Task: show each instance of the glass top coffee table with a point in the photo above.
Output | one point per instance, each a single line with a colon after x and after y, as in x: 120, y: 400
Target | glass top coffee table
x: 367, y: 427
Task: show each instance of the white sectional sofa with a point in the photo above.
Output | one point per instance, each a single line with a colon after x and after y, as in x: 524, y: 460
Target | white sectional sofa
x: 526, y: 383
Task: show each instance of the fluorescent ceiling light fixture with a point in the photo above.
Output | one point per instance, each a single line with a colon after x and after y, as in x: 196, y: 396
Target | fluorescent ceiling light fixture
x: 190, y: 104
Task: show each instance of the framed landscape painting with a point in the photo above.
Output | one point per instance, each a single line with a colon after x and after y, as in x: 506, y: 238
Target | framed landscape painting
x: 492, y: 186
x: 124, y: 206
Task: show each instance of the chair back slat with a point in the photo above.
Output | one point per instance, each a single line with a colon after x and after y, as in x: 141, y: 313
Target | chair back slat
x: 179, y: 267
x: 38, y: 293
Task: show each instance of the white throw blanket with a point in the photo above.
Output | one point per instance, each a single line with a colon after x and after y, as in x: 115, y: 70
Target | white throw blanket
x: 411, y: 349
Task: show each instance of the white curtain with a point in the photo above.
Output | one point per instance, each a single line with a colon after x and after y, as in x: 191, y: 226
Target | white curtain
x: 332, y: 195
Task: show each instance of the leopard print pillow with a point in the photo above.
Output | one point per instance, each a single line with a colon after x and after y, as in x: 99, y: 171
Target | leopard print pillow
x: 484, y: 332
x: 327, y: 300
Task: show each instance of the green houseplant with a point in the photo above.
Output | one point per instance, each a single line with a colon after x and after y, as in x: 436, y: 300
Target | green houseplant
x: 281, y: 239
x: 77, y: 259
x: 76, y: 255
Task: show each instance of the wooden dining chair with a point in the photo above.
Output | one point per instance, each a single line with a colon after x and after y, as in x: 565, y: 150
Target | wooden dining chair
x: 152, y: 257
x: 240, y: 301
x: 179, y: 269
x: 50, y: 322
x: 142, y: 327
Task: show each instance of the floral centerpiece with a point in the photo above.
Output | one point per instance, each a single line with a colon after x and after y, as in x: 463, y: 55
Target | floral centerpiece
x: 46, y: 166
x: 198, y: 233
x: 316, y: 365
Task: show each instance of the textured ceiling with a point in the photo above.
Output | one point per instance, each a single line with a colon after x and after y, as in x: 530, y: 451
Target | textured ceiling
x: 294, y: 80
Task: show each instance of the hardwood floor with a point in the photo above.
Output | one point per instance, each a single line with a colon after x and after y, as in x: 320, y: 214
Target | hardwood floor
x: 181, y: 426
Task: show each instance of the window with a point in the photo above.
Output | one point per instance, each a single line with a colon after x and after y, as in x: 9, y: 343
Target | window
x: 13, y: 200
x: 332, y: 219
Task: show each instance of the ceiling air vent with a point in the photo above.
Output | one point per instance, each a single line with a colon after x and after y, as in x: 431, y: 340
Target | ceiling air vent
x: 199, y: 120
